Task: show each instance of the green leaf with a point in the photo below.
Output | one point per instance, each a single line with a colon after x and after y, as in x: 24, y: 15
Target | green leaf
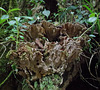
x: 23, y: 30
x: 35, y: 84
x: 72, y: 13
x: 88, y: 8
x: 14, y: 30
x: 92, y: 19
x: 21, y: 37
x: 85, y: 14
x: 24, y: 26
x: 89, y: 41
x: 46, y: 13
x: 91, y: 35
x: 44, y: 38
x: 26, y: 17
x: 20, y: 24
x: 13, y: 66
x: 3, y: 9
x: 21, y: 33
x: 31, y: 22
x: 12, y: 22
x: 5, y: 17
x: 92, y: 15
x: 3, y: 20
x: 83, y: 11
x: 71, y: 8
x: 80, y: 17
x: 12, y: 37
x: 15, y: 9
x: 17, y: 18
x: 42, y: 86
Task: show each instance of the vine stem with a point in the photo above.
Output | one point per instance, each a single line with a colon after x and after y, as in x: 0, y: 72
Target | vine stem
x: 17, y: 35
x: 6, y: 78
x: 88, y: 29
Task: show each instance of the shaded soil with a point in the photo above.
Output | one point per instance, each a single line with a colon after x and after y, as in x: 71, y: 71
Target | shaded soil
x: 78, y: 84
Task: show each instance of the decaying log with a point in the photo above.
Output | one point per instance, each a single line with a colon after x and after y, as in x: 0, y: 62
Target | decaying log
x: 52, y: 50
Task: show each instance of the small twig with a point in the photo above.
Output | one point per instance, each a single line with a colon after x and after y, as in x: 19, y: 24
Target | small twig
x: 91, y: 79
x: 86, y: 80
x: 85, y: 56
x: 90, y: 65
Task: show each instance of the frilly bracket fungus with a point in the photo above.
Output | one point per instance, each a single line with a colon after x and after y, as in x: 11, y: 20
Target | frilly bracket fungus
x: 55, y: 54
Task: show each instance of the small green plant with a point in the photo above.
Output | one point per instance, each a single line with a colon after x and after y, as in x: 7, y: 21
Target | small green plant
x: 65, y: 14
x: 16, y: 33
x: 46, y: 13
x: 3, y: 21
x: 50, y: 82
x: 6, y: 16
x: 93, y: 17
